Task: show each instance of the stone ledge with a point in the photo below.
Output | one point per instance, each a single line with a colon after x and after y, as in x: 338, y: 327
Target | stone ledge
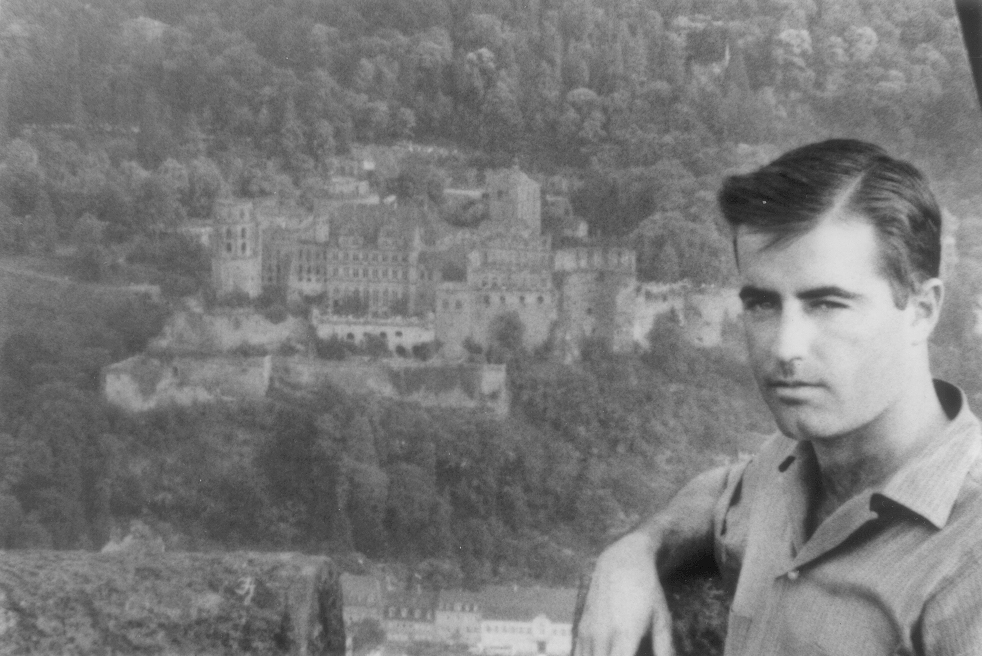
x: 54, y: 603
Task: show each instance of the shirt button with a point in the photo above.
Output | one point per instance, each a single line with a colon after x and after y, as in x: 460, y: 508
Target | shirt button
x: 793, y: 575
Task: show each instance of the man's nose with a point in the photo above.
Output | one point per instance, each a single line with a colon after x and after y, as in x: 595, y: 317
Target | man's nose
x: 794, y: 334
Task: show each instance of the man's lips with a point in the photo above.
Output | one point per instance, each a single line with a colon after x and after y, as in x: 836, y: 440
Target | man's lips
x: 784, y: 384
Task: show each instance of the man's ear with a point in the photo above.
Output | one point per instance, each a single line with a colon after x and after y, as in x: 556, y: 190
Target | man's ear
x: 926, y: 304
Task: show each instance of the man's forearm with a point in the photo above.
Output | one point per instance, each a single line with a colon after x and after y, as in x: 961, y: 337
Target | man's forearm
x: 682, y: 531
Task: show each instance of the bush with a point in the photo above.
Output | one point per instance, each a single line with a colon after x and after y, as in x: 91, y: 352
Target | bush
x: 332, y: 348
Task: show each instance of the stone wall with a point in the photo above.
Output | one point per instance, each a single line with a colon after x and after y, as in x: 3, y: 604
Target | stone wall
x: 594, y: 304
x: 465, y: 385
x: 143, y: 382
x: 226, y: 329
x: 702, y: 312
x: 462, y: 313
x: 58, y: 602
x: 396, y: 331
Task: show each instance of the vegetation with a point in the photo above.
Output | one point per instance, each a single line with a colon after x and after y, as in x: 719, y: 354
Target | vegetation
x: 123, y: 119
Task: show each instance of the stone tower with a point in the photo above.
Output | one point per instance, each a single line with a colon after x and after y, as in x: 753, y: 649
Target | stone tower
x: 236, y: 261
x: 514, y: 201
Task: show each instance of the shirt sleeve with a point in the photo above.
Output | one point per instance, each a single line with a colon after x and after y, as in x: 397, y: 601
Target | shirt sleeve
x: 730, y: 521
x: 952, y: 620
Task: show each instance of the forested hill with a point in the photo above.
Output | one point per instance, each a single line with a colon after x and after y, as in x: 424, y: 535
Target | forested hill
x: 666, y: 86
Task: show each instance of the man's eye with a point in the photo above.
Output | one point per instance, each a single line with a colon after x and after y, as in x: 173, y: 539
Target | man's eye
x: 759, y: 305
x: 826, y: 305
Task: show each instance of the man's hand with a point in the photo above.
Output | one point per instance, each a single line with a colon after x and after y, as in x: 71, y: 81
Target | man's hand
x: 624, y: 601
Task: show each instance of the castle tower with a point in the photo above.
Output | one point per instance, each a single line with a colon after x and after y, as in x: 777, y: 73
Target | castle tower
x: 236, y: 261
x: 514, y: 201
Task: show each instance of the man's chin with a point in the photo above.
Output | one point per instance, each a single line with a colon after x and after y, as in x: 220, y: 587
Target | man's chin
x: 801, y: 424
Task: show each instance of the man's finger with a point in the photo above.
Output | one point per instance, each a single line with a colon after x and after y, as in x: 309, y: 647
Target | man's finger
x: 623, y: 645
x: 584, y: 644
x: 661, y: 642
x: 661, y: 633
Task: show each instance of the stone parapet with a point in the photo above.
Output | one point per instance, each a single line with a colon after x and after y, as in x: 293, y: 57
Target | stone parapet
x: 58, y: 602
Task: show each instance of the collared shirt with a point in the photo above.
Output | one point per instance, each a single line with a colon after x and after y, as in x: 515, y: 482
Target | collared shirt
x: 896, y: 570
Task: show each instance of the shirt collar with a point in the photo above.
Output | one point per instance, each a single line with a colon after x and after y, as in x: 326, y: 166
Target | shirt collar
x: 929, y: 484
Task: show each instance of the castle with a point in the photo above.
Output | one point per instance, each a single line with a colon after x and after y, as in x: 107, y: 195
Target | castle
x: 383, y: 261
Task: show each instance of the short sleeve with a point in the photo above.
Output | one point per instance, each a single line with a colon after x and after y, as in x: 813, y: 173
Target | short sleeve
x: 952, y: 621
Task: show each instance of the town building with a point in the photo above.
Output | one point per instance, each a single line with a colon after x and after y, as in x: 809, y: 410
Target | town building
x: 500, y: 620
x: 525, y: 621
x: 362, y: 597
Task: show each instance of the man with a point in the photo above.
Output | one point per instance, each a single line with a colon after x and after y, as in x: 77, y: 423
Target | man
x: 858, y: 529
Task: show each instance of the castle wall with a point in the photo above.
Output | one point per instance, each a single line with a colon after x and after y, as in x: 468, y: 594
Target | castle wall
x: 463, y: 313
x: 143, y: 383
x: 224, y: 329
x: 702, y: 312
x: 653, y: 300
x: 464, y: 385
x: 396, y: 331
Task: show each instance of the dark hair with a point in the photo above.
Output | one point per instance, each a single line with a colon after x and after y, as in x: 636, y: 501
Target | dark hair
x: 789, y: 195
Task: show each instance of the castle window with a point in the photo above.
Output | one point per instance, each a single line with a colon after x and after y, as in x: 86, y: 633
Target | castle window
x: 385, y: 273
x: 355, y: 272
x: 351, y: 337
x: 228, y: 247
x: 502, y: 299
x: 385, y: 257
x: 344, y: 256
x: 398, y: 333
x: 243, y: 233
x: 521, y: 299
x: 364, y: 272
x: 589, y: 311
x: 374, y: 273
x: 356, y: 256
x: 383, y: 335
x: 540, y: 300
x: 487, y: 299
x: 242, y: 247
x: 459, y: 305
x: 446, y: 305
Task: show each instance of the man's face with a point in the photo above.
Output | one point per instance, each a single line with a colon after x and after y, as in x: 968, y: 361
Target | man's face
x: 829, y: 348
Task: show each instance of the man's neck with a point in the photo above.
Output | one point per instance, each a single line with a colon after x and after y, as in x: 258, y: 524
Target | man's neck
x: 866, y: 458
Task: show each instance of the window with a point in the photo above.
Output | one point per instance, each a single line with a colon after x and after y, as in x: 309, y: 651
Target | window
x: 540, y: 300
x: 521, y: 299
x: 398, y: 333
x: 459, y: 305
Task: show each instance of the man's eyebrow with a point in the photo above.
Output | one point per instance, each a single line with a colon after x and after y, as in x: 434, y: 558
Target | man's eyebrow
x: 750, y: 292
x: 827, y: 291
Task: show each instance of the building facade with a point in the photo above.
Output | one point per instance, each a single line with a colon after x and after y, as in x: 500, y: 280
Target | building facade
x: 385, y: 261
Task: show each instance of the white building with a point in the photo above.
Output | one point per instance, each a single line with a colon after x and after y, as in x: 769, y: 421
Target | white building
x: 525, y: 621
